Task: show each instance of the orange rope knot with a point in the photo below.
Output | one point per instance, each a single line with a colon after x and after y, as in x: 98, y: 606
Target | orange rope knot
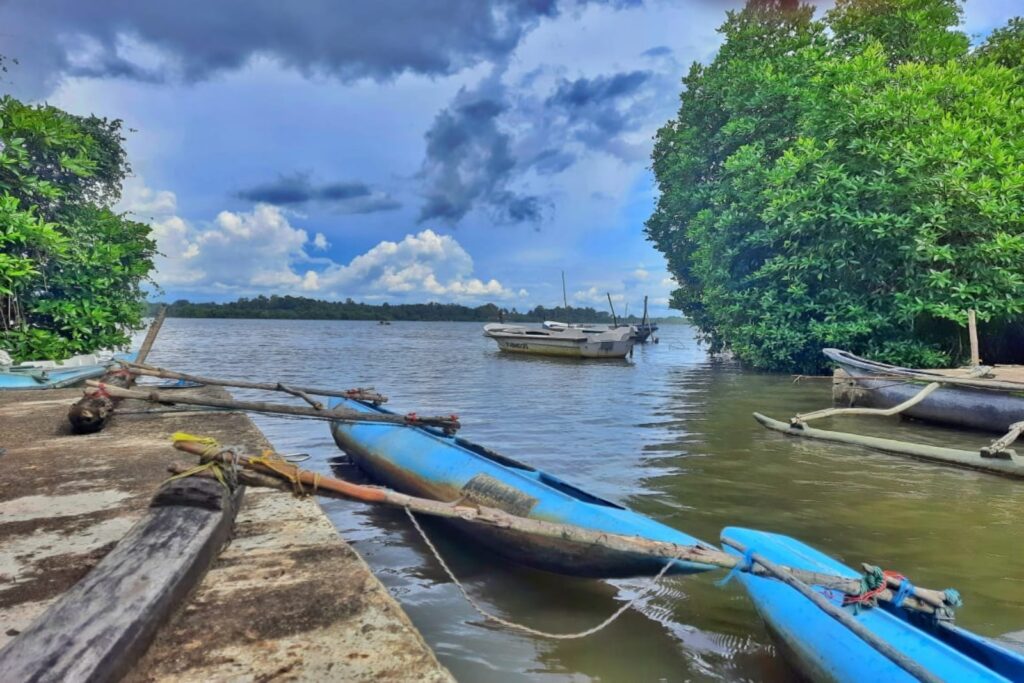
x: 870, y: 590
x: 99, y: 392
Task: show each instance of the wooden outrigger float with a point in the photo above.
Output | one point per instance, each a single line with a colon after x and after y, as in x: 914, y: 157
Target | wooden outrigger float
x: 926, y: 395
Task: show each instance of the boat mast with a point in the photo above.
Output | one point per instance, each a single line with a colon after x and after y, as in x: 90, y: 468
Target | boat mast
x: 565, y: 299
x: 615, y: 321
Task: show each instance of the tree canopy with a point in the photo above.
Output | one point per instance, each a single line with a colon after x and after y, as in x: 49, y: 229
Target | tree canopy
x: 854, y: 181
x: 71, y: 269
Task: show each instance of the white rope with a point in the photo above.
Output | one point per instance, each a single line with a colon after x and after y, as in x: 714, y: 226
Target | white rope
x: 520, y: 627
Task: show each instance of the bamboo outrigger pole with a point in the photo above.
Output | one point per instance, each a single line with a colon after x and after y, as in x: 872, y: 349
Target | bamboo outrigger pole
x: 449, y: 424
x: 923, y: 599
x: 360, y: 394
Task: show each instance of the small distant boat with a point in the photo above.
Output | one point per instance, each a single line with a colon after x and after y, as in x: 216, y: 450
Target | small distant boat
x: 972, y: 402
x: 825, y: 649
x: 425, y: 462
x: 603, y: 342
x: 48, y: 374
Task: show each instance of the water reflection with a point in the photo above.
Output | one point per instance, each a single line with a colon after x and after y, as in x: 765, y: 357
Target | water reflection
x: 668, y: 433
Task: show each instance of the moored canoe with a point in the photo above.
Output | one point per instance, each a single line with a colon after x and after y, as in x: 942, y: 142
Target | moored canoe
x: 978, y: 404
x: 425, y: 462
x: 56, y: 375
x: 824, y: 649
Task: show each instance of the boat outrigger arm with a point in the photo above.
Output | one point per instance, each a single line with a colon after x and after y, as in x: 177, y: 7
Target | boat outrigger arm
x: 987, y: 458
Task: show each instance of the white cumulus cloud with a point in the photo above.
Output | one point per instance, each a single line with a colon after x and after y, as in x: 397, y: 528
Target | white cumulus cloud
x: 259, y: 251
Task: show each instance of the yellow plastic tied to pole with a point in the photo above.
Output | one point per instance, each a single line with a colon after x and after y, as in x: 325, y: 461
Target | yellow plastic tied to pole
x: 286, y: 470
x: 211, y: 448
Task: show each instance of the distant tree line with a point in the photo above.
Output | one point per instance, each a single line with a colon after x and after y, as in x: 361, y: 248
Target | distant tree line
x: 301, y: 308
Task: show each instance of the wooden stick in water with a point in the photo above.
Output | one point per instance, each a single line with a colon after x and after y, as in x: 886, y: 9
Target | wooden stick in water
x: 359, y: 394
x: 922, y: 599
x: 449, y: 424
x: 972, y: 330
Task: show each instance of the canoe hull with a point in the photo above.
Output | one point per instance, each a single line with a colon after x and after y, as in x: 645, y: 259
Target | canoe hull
x: 949, y: 405
x: 424, y: 463
x: 54, y: 375
x: 824, y: 649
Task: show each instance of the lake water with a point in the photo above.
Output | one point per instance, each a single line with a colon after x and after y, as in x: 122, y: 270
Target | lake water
x: 668, y: 434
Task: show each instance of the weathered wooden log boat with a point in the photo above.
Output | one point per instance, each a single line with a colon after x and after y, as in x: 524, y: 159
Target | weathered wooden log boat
x: 825, y: 649
x: 975, y: 403
x: 58, y: 374
x: 569, y: 341
x: 425, y: 462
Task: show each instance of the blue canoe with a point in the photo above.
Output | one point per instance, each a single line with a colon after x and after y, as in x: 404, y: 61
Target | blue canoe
x: 33, y: 377
x: 826, y: 650
x: 424, y: 462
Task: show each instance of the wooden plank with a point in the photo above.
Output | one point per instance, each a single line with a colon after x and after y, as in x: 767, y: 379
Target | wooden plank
x: 102, y: 625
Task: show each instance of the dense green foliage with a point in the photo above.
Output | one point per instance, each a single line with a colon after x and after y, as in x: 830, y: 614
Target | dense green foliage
x: 71, y: 269
x: 852, y: 181
x: 301, y: 308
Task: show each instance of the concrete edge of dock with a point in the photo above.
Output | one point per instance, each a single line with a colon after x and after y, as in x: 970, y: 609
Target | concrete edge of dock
x: 286, y: 599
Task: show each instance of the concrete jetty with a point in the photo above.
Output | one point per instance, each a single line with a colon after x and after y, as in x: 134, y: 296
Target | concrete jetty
x: 286, y: 599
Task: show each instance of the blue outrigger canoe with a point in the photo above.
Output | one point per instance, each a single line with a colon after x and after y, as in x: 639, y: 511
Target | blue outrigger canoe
x: 425, y: 462
x: 56, y: 377
x: 826, y: 650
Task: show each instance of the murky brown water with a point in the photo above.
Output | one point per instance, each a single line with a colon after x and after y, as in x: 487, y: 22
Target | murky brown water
x: 670, y: 435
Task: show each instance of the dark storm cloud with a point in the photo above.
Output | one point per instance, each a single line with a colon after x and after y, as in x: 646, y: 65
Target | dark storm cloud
x: 474, y: 158
x: 469, y: 160
x: 298, y: 188
x: 597, y: 111
x: 602, y: 90
x: 194, y: 39
x: 660, y: 51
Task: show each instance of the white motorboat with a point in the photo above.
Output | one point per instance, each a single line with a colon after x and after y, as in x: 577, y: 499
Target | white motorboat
x: 580, y: 342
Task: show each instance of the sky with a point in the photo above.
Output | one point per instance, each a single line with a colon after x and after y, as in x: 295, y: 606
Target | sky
x: 437, y: 150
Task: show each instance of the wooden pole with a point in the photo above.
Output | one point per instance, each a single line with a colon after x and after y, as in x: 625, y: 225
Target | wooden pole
x: 92, y: 412
x: 449, y: 424
x: 972, y: 330
x: 154, y: 329
x: 565, y: 299
x: 923, y: 599
x: 615, y: 320
x: 1002, y: 462
x: 358, y: 394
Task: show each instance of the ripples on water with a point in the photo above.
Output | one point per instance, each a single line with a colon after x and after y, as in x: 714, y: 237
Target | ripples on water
x: 668, y: 434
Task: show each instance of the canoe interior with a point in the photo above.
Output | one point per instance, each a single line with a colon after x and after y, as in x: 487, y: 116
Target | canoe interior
x: 824, y: 649
x: 424, y: 462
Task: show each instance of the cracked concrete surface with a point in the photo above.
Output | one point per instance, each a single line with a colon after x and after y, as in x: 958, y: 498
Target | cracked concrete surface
x: 287, y: 599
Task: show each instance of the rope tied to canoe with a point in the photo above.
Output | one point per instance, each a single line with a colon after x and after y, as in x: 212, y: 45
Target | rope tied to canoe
x: 744, y: 565
x: 521, y: 627
x: 872, y: 582
x: 227, y: 476
x: 906, y: 589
